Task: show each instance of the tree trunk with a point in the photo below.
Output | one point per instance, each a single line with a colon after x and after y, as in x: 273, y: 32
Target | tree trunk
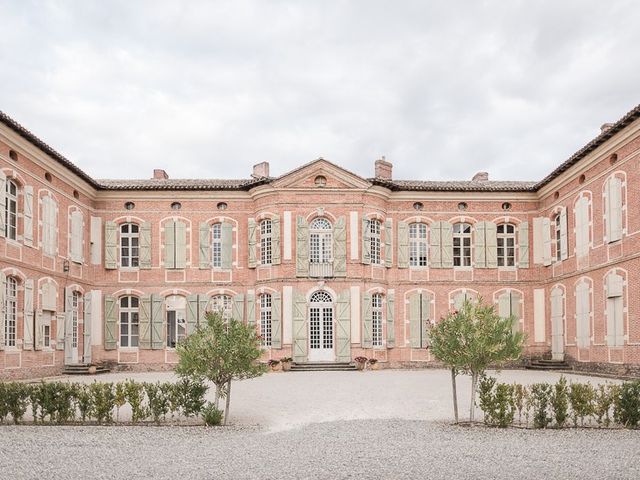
x: 228, y: 400
x: 455, y: 394
x: 472, y: 409
x: 216, y: 400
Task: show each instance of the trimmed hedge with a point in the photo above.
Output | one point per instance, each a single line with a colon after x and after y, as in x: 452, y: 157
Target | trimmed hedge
x: 544, y: 405
x: 64, y: 403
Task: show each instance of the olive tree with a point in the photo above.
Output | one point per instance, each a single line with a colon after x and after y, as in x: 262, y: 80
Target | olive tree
x: 220, y: 351
x: 473, y: 339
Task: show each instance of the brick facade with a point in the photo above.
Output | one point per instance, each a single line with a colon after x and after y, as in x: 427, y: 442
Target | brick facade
x: 572, y: 298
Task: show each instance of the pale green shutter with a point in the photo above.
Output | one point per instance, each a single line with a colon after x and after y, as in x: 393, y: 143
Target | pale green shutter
x: 204, y: 245
x: 3, y: 290
x: 276, y: 320
x: 192, y: 313
x: 252, y: 243
x: 157, y: 322
x: 367, y: 323
x: 564, y: 239
x: 302, y: 248
x: 251, y: 308
x: 425, y: 299
x: 110, y: 323
x: 388, y: 243
x: 3, y: 217
x: 546, y: 241
x: 343, y: 327
x: 110, y: 245
x: 491, y: 244
x: 415, y: 322
x: 340, y: 248
x: 68, y: 331
x: 145, y: 245
x: 144, y: 321
x: 366, y: 242
x: 275, y: 241
x: 458, y: 300
x: 203, y: 301
x: 237, y: 307
x: 88, y: 325
x: 504, y: 305
x: 75, y: 241
x: 28, y: 315
x: 170, y: 244
x: 479, y: 254
x: 447, y: 245
x: 615, y: 199
x: 226, y: 230
x: 63, y: 328
x: 582, y: 314
x: 181, y: 245
x: 299, y: 328
x: 28, y: 215
x: 435, y: 246
x: 403, y: 245
x: 523, y: 244
x: 38, y: 333
x: 615, y: 315
x: 391, y: 330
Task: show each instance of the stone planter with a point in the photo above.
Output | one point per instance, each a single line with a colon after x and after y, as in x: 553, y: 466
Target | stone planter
x: 374, y: 366
x: 92, y: 370
x: 286, y: 366
x: 276, y: 368
x: 360, y: 365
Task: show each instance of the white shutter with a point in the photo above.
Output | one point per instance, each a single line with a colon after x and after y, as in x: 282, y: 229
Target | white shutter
x: 76, y: 237
x: 491, y: 244
x: 582, y: 314
x: 110, y: 245
x: 546, y: 239
x: 523, y: 245
x: 88, y: 325
x: 388, y: 243
x: 3, y: 290
x: 28, y: 315
x: 28, y: 215
x: 538, y: 240
x: 252, y: 242
x: 3, y: 201
x: 435, y: 237
x: 615, y: 210
x: 564, y: 239
x: 480, y: 250
x: 403, y: 245
x: 582, y: 226
x: 447, y: 244
x: 275, y: 241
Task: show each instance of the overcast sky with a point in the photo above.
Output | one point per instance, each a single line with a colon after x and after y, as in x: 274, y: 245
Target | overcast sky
x: 207, y: 89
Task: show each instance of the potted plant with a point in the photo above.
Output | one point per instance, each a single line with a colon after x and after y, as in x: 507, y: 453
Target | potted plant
x: 361, y: 362
x: 274, y: 365
x: 373, y: 364
x: 286, y: 363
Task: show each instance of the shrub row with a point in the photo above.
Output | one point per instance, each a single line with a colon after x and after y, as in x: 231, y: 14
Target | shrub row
x: 60, y: 402
x: 558, y: 405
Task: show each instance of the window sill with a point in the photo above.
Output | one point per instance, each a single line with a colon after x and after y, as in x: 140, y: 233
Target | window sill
x: 129, y: 349
x: 128, y: 269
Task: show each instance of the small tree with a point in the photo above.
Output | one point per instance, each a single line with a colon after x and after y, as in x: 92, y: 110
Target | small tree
x: 473, y: 339
x: 220, y: 351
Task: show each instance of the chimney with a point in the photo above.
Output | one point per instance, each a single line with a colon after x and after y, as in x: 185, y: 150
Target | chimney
x: 159, y: 174
x: 481, y: 177
x: 383, y: 169
x: 260, y: 170
x: 605, y: 127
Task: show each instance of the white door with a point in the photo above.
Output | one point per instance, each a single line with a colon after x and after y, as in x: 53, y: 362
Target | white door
x: 321, y: 329
x: 557, y: 324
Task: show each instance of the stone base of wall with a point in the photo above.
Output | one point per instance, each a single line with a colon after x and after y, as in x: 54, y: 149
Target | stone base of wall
x: 617, y: 370
x: 10, y: 374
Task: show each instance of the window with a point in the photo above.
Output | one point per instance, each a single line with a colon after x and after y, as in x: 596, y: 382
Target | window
x: 75, y: 314
x: 374, y: 238
x: 418, y: 245
x: 176, y: 320
x: 129, y: 321
x: 615, y: 310
x: 461, y: 245
x: 10, y: 312
x: 265, y: 242
x: 129, y: 245
x: 265, y: 319
x: 46, y: 335
x: 221, y: 304
x: 557, y: 236
x: 376, y: 320
x: 320, y: 241
x: 11, y: 210
x: 49, y: 225
x: 216, y: 245
x: 506, y: 245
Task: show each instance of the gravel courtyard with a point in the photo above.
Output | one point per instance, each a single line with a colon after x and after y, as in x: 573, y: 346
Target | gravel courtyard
x: 385, y: 424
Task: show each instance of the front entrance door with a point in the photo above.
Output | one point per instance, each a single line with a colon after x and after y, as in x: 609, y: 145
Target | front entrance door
x: 321, y: 328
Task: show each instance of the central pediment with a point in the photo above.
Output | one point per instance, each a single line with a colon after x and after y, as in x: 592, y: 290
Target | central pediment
x: 320, y: 173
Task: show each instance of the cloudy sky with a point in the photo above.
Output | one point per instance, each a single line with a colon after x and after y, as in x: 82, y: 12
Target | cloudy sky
x: 206, y: 89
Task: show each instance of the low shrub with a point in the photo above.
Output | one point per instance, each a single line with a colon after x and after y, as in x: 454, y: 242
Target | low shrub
x: 540, y: 397
x: 103, y: 400
x: 560, y: 402
x: 84, y: 401
x: 211, y: 415
x: 17, y: 397
x: 497, y: 401
x: 158, y: 401
x: 190, y: 396
x: 627, y: 404
x: 604, y: 398
x: 135, y: 397
x: 581, y: 396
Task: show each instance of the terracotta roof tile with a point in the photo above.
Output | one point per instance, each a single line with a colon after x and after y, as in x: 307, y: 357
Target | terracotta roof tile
x: 456, y: 186
x: 181, y: 184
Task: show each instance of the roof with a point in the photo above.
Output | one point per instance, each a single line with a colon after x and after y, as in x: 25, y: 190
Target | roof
x: 456, y: 186
x: 181, y: 184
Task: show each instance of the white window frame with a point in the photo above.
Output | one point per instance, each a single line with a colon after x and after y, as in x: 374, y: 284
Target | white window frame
x: 176, y: 316
x: 418, y: 245
x: 216, y: 245
x: 506, y: 241
x: 377, y: 320
x: 266, y: 302
x: 222, y: 304
x: 375, y: 241
x: 75, y: 317
x: 556, y: 225
x: 462, y: 236
x: 266, y: 242
x: 49, y: 225
x: 129, y: 315
x: 321, y: 241
x: 133, y: 245
x: 11, y: 210
x: 10, y: 312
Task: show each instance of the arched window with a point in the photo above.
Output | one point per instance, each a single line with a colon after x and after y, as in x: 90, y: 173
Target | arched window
x: 320, y: 241
x: 11, y: 210
x: 216, y: 245
x: 320, y: 325
x: 10, y: 312
x: 265, y: 319
x: 129, y: 245
x: 129, y: 321
x: 265, y: 242
x: 374, y: 238
x: 222, y: 304
x: 376, y: 319
x: 461, y: 245
x: 506, y: 233
x: 176, y: 320
x: 418, y: 245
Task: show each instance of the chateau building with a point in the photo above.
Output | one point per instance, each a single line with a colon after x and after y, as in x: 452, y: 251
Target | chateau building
x: 326, y: 264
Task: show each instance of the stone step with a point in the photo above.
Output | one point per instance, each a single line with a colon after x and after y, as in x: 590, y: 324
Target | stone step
x: 83, y: 369
x: 324, y: 366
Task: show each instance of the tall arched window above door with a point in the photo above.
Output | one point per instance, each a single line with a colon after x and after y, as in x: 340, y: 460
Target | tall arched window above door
x: 11, y: 210
x: 418, y: 246
x: 320, y: 248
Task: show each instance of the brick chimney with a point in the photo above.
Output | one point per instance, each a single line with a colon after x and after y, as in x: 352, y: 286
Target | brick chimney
x: 605, y: 127
x: 159, y: 174
x: 383, y: 169
x: 260, y: 170
x: 481, y: 177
